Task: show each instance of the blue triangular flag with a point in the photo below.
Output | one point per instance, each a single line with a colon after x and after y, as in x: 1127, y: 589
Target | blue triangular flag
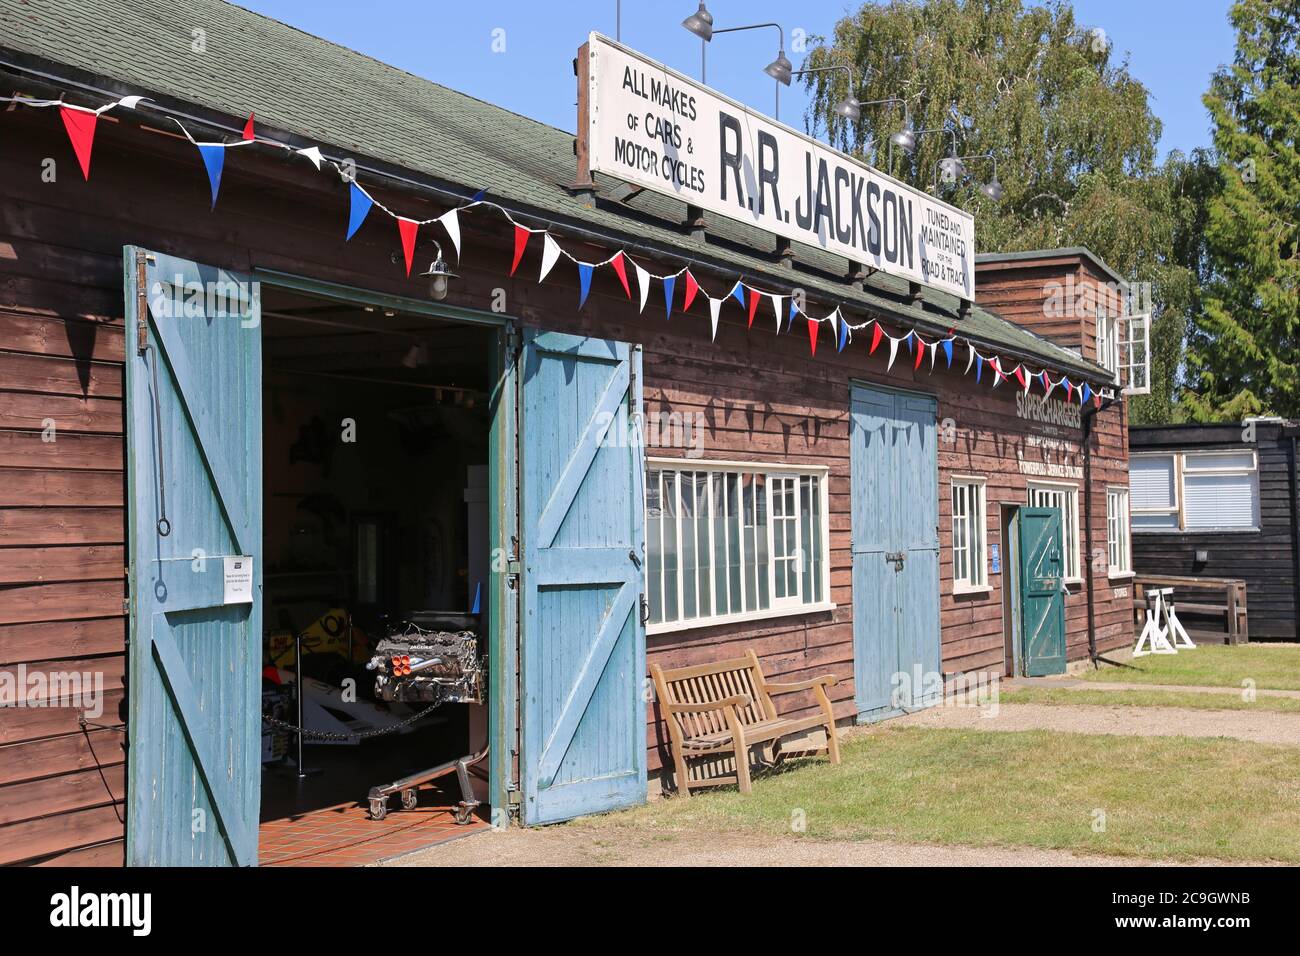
x: 844, y: 334
x: 790, y: 318
x: 979, y: 367
x: 478, y: 591
x: 584, y: 280
x: 669, y: 282
x: 911, y: 346
x: 214, y: 157
x: 478, y: 196
x: 738, y: 293
x: 947, y: 351
x: 1087, y: 392
x: 361, y: 204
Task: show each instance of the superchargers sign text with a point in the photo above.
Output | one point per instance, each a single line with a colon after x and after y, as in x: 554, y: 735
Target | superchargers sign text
x: 653, y: 127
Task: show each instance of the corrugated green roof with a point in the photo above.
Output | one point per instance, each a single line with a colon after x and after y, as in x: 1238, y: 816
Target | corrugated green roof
x: 328, y: 94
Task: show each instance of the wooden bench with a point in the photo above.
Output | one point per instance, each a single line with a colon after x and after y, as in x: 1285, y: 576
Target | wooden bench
x: 1190, y: 594
x: 724, y: 709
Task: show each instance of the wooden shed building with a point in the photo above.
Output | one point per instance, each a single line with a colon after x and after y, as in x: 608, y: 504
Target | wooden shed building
x: 654, y: 489
x: 1220, y: 502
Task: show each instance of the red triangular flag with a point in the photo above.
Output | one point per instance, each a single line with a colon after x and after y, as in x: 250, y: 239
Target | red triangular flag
x: 521, y: 243
x: 876, y: 333
x: 753, y: 304
x: 920, y: 351
x: 408, y: 228
x: 1020, y: 376
x: 1096, y: 398
x: 621, y: 270
x: 80, y: 125
x: 813, y: 325
x: 248, y: 127
x: 692, y: 287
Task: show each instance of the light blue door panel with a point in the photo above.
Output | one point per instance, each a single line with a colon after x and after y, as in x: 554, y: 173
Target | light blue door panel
x: 1042, y: 591
x: 894, y: 480
x: 195, y: 472
x: 583, y: 644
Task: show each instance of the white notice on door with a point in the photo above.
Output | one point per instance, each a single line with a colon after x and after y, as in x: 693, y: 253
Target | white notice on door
x: 239, y: 580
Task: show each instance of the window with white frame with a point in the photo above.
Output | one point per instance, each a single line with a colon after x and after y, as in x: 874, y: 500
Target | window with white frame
x: 1107, y: 342
x: 1064, y: 498
x: 969, y: 553
x: 734, y: 542
x: 1195, y: 491
x: 1119, y: 553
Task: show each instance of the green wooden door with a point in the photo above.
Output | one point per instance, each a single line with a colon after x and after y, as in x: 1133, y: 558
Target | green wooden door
x: 194, y: 477
x: 1042, y: 591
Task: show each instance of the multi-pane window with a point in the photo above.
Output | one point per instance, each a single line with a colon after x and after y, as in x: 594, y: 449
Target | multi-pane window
x: 728, y: 542
x: 1195, y: 491
x: 1118, y: 551
x: 1064, y: 498
x: 1107, y: 342
x: 969, y: 565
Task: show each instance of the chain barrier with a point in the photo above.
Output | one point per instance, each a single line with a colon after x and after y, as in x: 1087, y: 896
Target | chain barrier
x: 364, y: 735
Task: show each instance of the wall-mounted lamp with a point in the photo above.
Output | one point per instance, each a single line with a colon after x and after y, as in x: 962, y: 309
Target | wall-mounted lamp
x: 990, y: 190
x: 781, y: 69
x: 438, y: 275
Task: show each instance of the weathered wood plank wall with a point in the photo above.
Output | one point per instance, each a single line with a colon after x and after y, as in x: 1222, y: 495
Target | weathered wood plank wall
x: 61, y: 503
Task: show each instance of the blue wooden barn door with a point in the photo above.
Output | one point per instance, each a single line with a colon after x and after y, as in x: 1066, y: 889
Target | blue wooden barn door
x: 194, y: 425
x: 1042, y: 593
x: 894, y: 481
x: 582, y: 662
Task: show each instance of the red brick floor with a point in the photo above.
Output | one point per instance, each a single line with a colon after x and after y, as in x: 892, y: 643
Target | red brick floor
x: 344, y: 835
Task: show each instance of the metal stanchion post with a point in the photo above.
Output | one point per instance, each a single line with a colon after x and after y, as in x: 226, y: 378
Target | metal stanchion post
x: 303, y: 772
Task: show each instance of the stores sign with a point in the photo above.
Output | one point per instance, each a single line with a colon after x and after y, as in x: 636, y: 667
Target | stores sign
x: 651, y: 126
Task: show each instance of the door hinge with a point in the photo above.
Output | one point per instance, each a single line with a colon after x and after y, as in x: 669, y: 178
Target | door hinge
x: 514, y: 797
x: 141, y: 301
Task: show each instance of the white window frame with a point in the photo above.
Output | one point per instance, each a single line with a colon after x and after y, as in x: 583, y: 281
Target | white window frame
x: 1070, y: 492
x: 1180, y: 473
x: 1134, y: 353
x: 1119, y: 536
x: 1108, y: 342
x: 974, y: 578
x: 778, y: 607
x: 1175, y: 479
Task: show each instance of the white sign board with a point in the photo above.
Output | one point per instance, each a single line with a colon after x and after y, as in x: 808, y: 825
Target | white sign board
x: 651, y: 126
x: 238, y: 579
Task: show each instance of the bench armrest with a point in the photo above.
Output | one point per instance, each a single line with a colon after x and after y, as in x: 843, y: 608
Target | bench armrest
x: 829, y: 680
x: 738, y: 700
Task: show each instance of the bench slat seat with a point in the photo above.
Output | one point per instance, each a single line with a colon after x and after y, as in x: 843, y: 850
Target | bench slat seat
x: 726, y: 707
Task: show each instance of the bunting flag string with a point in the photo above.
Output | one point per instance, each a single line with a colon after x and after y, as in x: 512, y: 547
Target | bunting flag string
x: 80, y: 123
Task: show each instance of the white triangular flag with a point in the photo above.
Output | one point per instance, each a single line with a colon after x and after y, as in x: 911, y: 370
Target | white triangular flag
x: 933, y: 346
x: 997, y: 370
x: 893, y: 350
x: 451, y: 222
x: 776, y: 309
x: 312, y: 153
x: 130, y: 102
x: 550, y: 252
x: 642, y: 284
x: 1028, y: 378
x: 970, y: 359
x: 715, y: 305
x: 835, y: 326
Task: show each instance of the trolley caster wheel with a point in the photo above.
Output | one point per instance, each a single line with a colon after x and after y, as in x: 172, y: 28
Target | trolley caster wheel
x: 464, y: 815
x: 378, y: 809
x: 408, y: 799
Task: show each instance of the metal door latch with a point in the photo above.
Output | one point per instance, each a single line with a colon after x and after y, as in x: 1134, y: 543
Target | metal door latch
x: 898, y: 557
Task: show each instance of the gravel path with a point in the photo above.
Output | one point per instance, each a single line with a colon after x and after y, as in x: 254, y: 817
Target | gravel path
x: 1259, y: 726
x: 597, y: 845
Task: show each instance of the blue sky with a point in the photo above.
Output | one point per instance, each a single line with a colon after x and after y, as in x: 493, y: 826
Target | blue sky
x: 1173, y: 46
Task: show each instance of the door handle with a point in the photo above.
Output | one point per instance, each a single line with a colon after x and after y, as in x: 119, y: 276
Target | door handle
x: 636, y: 558
x: 898, y: 557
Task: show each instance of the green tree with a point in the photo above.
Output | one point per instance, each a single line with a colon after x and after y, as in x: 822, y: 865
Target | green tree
x: 1072, y: 132
x: 1244, y: 351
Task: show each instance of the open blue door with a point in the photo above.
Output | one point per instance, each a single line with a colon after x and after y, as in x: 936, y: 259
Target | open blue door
x: 895, y: 517
x: 194, y: 476
x: 582, y: 662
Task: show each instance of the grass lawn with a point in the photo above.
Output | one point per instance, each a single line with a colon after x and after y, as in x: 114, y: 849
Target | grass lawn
x: 1277, y: 668
x: 1175, y: 797
x: 1227, y: 700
